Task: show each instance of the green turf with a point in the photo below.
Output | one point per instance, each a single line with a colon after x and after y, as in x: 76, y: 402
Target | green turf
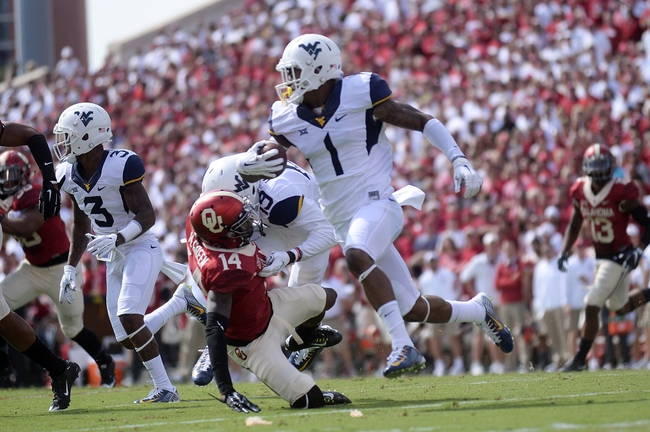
x: 617, y: 400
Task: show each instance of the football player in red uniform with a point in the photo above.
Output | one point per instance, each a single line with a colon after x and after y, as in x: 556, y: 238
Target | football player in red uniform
x: 244, y: 320
x: 46, y: 244
x: 606, y: 203
x: 12, y: 327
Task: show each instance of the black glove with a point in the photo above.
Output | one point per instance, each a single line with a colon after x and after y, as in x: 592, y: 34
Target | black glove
x: 630, y: 258
x: 240, y: 403
x: 562, y: 261
x: 49, y: 202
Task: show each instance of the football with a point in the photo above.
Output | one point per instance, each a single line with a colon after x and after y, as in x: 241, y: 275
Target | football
x: 269, y: 145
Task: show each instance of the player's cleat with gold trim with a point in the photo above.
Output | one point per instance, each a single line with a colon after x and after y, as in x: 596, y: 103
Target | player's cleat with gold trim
x: 402, y: 360
x: 492, y: 325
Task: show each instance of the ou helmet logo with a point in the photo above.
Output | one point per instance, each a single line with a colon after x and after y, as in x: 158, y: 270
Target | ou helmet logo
x: 241, y: 354
x: 211, y: 221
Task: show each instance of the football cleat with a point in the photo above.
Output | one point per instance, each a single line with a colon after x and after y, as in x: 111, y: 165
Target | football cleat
x: 202, y: 370
x: 492, y: 325
x: 575, y: 365
x: 193, y: 307
x: 62, y: 386
x: 402, y: 360
x: 302, y: 359
x: 107, y: 374
x: 160, y: 396
x: 335, y: 398
x: 324, y: 336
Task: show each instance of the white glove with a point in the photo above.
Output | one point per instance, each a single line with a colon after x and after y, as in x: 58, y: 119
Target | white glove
x: 68, y: 284
x: 102, y: 245
x: 465, y: 173
x: 253, y: 164
x: 274, y: 264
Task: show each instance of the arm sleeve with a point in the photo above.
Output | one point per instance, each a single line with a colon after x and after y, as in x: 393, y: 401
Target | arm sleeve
x: 43, y: 156
x: 215, y: 332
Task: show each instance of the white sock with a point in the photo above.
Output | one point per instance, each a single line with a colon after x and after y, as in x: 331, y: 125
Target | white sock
x: 156, y: 319
x: 158, y: 374
x: 468, y: 311
x: 392, y: 318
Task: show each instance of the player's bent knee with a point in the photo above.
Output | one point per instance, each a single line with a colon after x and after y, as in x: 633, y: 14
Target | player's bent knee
x: 358, y: 261
x: 71, y: 330
x: 330, y: 297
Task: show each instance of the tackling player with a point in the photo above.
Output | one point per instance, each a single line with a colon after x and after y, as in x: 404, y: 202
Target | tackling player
x: 606, y: 203
x: 295, y: 232
x: 12, y: 327
x: 338, y: 123
x: 245, y: 321
x: 109, y: 198
x: 46, y: 244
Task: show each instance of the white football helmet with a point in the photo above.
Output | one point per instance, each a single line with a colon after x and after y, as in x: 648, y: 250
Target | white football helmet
x: 307, y: 62
x: 80, y: 128
x: 222, y: 174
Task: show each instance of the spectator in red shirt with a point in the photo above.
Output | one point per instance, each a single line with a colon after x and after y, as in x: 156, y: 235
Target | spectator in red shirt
x: 510, y: 282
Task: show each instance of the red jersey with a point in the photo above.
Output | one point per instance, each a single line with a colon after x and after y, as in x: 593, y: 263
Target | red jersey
x: 50, y: 243
x: 233, y: 271
x: 606, y: 221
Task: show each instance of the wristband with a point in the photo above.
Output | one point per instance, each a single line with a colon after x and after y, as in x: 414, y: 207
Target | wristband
x: 296, y: 253
x: 131, y: 231
x: 439, y: 136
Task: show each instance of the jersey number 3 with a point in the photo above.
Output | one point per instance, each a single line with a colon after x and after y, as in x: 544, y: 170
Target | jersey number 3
x: 97, y: 209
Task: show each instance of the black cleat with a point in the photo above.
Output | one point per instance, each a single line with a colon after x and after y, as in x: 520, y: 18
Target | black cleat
x: 574, y: 365
x: 62, y: 386
x: 107, y: 372
x: 324, y: 336
x: 302, y: 359
x: 335, y: 398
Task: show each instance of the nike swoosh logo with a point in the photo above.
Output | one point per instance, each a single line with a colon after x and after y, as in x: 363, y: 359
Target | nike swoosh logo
x: 47, y: 163
x: 338, y: 119
x: 329, y: 395
x: 67, y: 391
x: 101, y: 188
x: 152, y: 247
x: 499, y: 325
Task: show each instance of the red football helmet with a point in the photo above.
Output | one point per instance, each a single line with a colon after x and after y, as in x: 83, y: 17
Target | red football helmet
x: 15, y: 172
x: 223, y: 219
x: 599, y: 163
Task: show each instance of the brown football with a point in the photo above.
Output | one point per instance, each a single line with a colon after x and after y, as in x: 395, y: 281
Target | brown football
x: 269, y: 145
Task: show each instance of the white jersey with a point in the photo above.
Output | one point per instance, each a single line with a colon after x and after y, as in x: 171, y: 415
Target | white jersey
x: 346, y: 146
x: 289, y: 207
x: 101, y: 197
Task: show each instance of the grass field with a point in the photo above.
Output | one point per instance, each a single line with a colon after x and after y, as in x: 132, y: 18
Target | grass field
x: 616, y: 400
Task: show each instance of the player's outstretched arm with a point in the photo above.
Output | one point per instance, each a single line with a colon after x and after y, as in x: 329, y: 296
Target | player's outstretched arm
x: 219, y: 306
x: 405, y: 116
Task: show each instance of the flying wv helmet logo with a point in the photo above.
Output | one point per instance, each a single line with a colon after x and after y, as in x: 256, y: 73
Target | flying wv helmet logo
x: 312, y: 49
x: 241, y: 184
x: 85, y: 117
x: 211, y: 221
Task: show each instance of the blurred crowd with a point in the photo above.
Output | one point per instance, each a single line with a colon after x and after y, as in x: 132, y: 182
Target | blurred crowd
x: 524, y: 86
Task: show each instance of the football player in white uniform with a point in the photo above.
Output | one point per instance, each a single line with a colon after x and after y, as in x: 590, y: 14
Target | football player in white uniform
x: 339, y: 125
x: 109, y: 197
